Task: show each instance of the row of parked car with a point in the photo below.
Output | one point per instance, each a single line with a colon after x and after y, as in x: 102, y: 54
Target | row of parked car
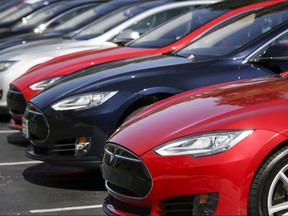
x: 181, y: 104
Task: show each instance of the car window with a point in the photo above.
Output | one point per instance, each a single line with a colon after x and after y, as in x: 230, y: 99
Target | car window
x: 15, y: 13
x: 65, y: 17
x: 94, y: 13
x: 236, y: 33
x: 109, y: 22
x: 156, y: 19
x: 282, y: 39
x: 41, y: 14
x: 177, y: 28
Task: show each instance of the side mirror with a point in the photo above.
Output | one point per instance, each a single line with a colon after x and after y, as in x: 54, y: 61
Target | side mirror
x: 126, y: 36
x: 278, y: 52
x: 275, y: 58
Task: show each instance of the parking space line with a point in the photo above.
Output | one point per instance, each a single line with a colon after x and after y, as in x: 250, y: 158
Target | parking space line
x: 65, y: 209
x: 9, y: 131
x: 20, y: 163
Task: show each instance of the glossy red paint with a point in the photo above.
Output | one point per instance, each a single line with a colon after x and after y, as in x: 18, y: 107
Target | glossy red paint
x: 261, y: 106
x: 73, y: 62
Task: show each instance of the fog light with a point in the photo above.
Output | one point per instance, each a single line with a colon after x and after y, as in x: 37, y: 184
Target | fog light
x: 205, y: 204
x: 82, y: 146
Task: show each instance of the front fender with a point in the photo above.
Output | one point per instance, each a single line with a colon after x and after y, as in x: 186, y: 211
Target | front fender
x: 158, y: 90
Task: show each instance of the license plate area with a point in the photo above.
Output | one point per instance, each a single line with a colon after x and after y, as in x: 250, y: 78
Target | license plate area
x: 25, y: 128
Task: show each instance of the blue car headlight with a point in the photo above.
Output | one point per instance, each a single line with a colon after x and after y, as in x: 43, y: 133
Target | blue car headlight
x: 203, y: 144
x: 83, y: 101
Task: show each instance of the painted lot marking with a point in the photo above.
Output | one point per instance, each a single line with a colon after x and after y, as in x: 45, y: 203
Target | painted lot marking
x: 65, y: 209
x: 20, y: 163
x: 9, y: 131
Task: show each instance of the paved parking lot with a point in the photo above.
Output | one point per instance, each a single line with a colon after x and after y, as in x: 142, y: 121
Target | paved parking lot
x: 29, y: 187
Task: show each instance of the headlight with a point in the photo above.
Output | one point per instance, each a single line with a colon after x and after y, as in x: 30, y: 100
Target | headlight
x: 84, y: 101
x: 4, y: 65
x: 43, y: 83
x: 203, y: 144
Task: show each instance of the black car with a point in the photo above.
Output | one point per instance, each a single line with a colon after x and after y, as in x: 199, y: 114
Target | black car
x: 42, y: 16
x: 70, y: 120
x: 6, y: 4
x: 71, y: 21
x: 15, y: 14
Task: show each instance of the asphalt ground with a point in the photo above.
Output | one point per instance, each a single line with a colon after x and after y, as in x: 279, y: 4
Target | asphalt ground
x: 29, y: 187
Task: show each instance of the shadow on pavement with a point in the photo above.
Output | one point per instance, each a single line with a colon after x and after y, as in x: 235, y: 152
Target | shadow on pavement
x: 65, y: 177
x: 4, y: 118
x: 17, y: 139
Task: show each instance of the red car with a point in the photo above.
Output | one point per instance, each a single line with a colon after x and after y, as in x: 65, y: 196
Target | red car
x: 167, y: 38
x: 218, y: 150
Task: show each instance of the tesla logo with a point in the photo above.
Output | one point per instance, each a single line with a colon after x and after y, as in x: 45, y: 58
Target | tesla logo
x: 112, y: 156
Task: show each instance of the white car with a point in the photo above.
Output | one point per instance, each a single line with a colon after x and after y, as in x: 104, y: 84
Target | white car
x: 131, y: 20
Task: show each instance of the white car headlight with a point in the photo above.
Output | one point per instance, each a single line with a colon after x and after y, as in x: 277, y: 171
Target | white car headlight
x: 203, y: 144
x: 4, y: 65
x: 84, y: 101
x: 43, y: 83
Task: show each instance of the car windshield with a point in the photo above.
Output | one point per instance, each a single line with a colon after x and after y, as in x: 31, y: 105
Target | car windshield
x: 76, y: 20
x: 114, y: 19
x: 41, y: 14
x: 177, y: 28
x: 19, y: 11
x: 94, y: 13
x: 236, y: 33
x: 63, y: 18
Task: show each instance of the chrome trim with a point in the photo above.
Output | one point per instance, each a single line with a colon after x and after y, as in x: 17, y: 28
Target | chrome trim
x: 34, y: 112
x: 63, y: 150
x: 121, y: 157
x: 129, y: 159
x: 44, y: 117
x: 15, y: 91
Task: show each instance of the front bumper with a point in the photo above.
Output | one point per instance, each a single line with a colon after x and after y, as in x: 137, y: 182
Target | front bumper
x: 88, y: 161
x: 16, y: 104
x: 180, y: 185
x: 62, y: 139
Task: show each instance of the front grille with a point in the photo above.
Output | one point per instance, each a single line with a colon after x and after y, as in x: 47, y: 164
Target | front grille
x: 123, y: 172
x: 126, y: 207
x: 40, y: 151
x: 189, y: 205
x: 64, y: 147
x: 38, y: 126
x: 16, y: 101
x: 178, y: 206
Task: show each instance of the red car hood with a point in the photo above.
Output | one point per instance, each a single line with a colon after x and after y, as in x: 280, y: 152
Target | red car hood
x: 70, y: 63
x: 246, y: 104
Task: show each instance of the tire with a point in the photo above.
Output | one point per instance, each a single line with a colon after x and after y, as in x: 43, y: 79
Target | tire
x: 269, y: 188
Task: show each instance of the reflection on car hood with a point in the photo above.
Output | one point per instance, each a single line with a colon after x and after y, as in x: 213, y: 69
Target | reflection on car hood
x: 236, y: 105
x: 55, y: 45
x: 70, y: 63
x: 109, y: 74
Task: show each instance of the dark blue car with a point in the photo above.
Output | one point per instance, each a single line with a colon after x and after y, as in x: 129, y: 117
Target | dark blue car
x: 70, y: 121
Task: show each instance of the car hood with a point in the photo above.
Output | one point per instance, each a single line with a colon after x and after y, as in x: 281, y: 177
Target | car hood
x: 70, y: 63
x: 246, y: 104
x: 108, y: 76
x: 40, y: 50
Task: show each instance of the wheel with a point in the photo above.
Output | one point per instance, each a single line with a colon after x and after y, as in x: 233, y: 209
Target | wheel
x: 269, y: 190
